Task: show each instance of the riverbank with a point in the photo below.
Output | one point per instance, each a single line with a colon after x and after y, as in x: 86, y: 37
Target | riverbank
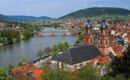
x: 27, y: 49
x: 9, y: 37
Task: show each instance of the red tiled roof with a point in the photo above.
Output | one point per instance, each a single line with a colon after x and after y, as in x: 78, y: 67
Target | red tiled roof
x: 118, y: 27
x: 117, y: 48
x: 111, y: 26
x: 128, y: 31
x: 100, y: 60
x: 22, y: 72
x: 123, y: 31
x: 69, y: 25
x: 118, y: 32
x: 128, y: 37
x: 113, y: 38
x: 38, y: 73
x: 120, y: 55
x: 75, y: 71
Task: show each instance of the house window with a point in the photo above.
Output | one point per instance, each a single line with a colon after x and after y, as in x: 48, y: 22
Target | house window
x: 57, y: 63
x: 81, y: 65
x: 75, y: 66
x: 101, y: 41
x: 106, y: 31
x: 90, y: 31
x: 87, y: 31
x: 62, y: 65
x: 91, y: 41
x: 106, y: 42
x: 101, y: 31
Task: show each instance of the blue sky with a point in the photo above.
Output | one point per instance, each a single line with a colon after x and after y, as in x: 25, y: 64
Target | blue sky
x: 55, y: 8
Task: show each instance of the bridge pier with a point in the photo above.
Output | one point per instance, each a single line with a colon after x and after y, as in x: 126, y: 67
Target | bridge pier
x: 53, y: 33
x: 64, y: 34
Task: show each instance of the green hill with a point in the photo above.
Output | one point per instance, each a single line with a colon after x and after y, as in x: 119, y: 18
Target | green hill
x: 29, y: 18
x: 98, y: 11
x: 4, y: 18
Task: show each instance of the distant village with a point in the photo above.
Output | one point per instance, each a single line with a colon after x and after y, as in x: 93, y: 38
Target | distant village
x: 102, y: 41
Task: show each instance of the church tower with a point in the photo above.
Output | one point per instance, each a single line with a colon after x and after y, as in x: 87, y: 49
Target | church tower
x: 88, y: 36
x: 103, y: 40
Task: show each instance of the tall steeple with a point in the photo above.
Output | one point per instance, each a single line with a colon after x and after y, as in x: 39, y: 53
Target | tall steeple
x: 103, y: 40
x: 89, y: 38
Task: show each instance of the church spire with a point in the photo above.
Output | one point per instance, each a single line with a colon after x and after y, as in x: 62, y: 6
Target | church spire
x: 89, y: 38
x: 103, y: 40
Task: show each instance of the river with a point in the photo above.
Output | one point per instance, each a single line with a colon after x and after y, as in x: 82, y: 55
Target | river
x: 27, y: 49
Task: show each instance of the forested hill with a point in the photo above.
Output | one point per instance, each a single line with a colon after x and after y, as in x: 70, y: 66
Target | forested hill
x: 29, y: 18
x: 5, y: 18
x: 98, y: 11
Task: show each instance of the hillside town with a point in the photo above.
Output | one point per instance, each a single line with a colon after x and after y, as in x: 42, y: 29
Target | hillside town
x: 103, y: 40
x: 65, y: 40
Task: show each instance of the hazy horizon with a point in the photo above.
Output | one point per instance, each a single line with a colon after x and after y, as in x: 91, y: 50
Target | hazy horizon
x: 55, y: 9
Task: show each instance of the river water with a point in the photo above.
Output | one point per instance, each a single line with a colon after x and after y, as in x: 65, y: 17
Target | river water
x: 27, y: 49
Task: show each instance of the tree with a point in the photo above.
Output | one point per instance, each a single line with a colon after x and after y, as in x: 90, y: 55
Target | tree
x: 81, y: 37
x: 23, y: 60
x: 45, y: 64
x: 14, y: 33
x: 54, y: 54
x: 122, y: 65
x: 9, y: 78
x: 40, y: 53
x: 54, y: 47
x: 117, y: 77
x: 88, y: 73
x: 47, y: 50
x: 29, y: 62
x: 108, y: 78
x: 10, y: 67
x: 2, y: 74
x: 66, y: 44
x: 10, y: 40
x: 56, y: 75
x: 20, y: 64
x: 27, y: 34
x: 59, y: 46
x: 18, y: 37
x: 62, y: 46
x: 120, y: 77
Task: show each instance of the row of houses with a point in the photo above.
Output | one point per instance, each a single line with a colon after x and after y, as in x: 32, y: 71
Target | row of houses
x: 3, y: 27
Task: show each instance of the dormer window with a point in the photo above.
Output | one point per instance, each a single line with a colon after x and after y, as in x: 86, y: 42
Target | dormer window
x: 101, y: 31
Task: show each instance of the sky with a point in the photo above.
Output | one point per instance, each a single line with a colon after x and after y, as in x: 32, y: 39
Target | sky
x: 55, y: 8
